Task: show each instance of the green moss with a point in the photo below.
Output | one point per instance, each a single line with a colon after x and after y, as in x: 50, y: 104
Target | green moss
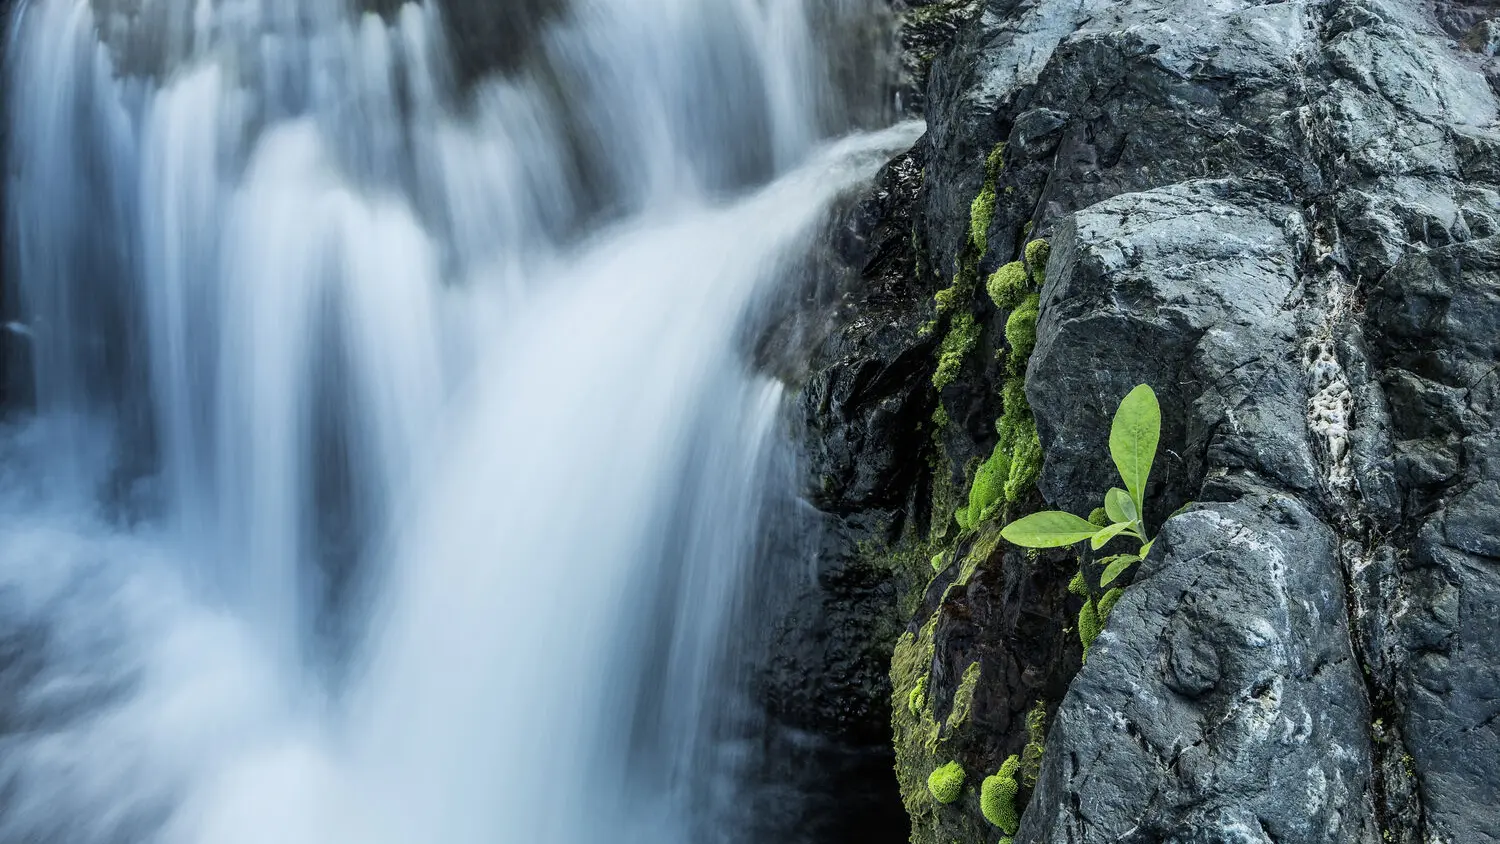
x: 946, y: 783
x: 937, y: 561
x: 1007, y: 286
x: 1107, y: 603
x: 1036, y: 744
x: 962, y: 337
x: 917, y: 700
x: 1013, y: 395
x: 1025, y: 461
x: 1020, y: 331
x: 988, y: 488
x: 1078, y: 587
x: 981, y: 214
x: 963, y: 698
x: 982, y: 209
x: 946, y: 298
x: 1088, y: 626
x: 915, y: 733
x: 997, y: 797
x: 994, y: 163
x: 980, y: 551
x: 1037, y: 253
x: 1018, y: 441
x: 1099, y: 517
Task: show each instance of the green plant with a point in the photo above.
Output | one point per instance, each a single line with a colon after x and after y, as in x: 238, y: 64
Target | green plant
x: 997, y: 796
x: 1132, y: 443
x: 946, y: 783
x: 1133, y: 439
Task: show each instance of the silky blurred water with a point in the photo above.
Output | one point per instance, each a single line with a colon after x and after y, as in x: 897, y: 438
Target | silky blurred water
x: 396, y: 464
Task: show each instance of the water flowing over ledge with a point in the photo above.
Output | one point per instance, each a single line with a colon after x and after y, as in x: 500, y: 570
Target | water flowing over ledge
x: 396, y: 464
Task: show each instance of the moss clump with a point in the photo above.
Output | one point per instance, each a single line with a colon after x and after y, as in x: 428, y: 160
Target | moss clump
x: 1078, y: 586
x: 1100, y: 517
x: 997, y: 797
x: 918, y: 697
x: 962, y: 337
x: 1020, y: 331
x: 1037, y: 253
x: 946, y: 783
x: 1007, y: 286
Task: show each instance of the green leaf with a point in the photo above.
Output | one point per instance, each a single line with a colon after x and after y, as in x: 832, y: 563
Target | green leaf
x: 1146, y: 549
x: 1050, y: 529
x: 1116, y: 566
x: 1133, y: 439
x: 1106, y: 534
x: 1119, y: 505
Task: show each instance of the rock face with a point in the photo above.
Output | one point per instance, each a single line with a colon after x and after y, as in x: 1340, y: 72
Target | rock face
x: 1285, y: 217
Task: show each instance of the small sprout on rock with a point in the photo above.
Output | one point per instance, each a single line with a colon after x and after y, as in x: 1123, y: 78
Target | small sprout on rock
x: 1133, y: 439
x: 1132, y: 444
x: 946, y: 783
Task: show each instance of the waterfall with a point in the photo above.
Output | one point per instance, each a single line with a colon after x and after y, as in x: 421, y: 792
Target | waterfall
x: 397, y: 464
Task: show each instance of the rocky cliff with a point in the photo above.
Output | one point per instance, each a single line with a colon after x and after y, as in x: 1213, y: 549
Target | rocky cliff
x: 1285, y: 218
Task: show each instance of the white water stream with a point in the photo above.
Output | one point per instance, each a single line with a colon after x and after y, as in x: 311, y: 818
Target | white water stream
x: 397, y: 462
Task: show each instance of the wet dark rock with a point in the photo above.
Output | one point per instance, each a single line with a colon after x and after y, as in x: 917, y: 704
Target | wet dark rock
x: 927, y: 27
x: 1223, y: 702
x: 1285, y: 217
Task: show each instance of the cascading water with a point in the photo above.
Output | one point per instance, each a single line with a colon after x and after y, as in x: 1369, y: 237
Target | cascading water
x: 396, y: 466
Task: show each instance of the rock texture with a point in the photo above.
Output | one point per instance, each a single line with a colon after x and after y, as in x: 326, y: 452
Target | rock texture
x: 1285, y: 217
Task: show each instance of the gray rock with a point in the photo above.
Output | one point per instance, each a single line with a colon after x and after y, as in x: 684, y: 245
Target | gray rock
x: 1191, y: 289
x: 1286, y: 218
x: 1223, y: 703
